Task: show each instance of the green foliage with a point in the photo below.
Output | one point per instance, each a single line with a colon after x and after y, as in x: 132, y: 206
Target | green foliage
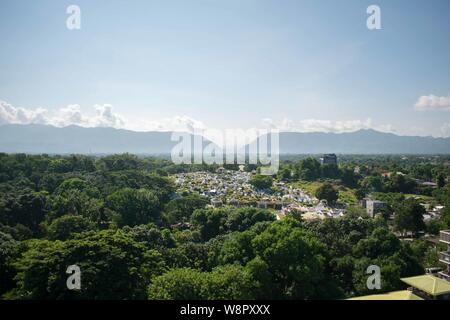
x: 349, y: 178
x: 261, y: 182
x: 329, y: 171
x: 327, y: 192
x: 409, y: 217
x: 7, y: 247
x: 227, y: 282
x: 384, y: 249
x: 308, y: 169
x: 294, y: 261
x: 441, y: 181
x: 134, y: 207
x: 77, y: 202
x: 212, y: 222
x: 28, y: 208
x: 118, y: 218
x: 180, y: 210
x: 66, y: 226
x: 284, y: 174
x: 113, y: 266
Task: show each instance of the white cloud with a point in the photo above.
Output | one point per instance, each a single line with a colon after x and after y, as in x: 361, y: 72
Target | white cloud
x: 69, y: 115
x: 104, y: 117
x: 10, y: 114
x: 316, y: 125
x: 176, y: 123
x: 432, y: 102
x: 445, y: 130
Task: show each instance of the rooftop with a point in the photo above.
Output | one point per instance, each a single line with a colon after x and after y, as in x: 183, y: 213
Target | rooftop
x: 429, y: 284
x: 396, y: 295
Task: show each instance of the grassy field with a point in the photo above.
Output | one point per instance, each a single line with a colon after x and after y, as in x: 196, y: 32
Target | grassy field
x: 346, y: 195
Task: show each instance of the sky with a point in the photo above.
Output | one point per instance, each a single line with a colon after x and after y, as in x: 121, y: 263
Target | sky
x: 303, y: 65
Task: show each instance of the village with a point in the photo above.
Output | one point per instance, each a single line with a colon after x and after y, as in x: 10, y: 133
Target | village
x: 232, y: 188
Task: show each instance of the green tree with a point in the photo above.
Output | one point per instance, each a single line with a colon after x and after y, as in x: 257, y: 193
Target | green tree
x: 327, y: 192
x: 113, y: 266
x: 178, y: 284
x: 295, y: 260
x: 349, y: 178
x: 409, y: 217
x: 134, y: 207
x: 7, y: 247
x: 396, y: 260
x: 77, y: 202
x: 308, y: 169
x: 64, y: 227
x: 441, y: 181
x: 284, y: 174
x: 180, y: 210
x: 28, y: 208
x: 226, y: 282
x: 261, y: 182
x: 330, y: 171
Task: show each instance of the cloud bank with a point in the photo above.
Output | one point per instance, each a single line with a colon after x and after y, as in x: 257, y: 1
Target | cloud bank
x: 316, y: 125
x: 433, y: 103
x: 70, y: 115
x: 104, y: 116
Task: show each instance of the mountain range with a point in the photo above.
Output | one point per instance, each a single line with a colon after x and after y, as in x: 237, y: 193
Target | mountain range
x: 36, y: 138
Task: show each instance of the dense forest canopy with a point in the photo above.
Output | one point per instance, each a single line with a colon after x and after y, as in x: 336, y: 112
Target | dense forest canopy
x: 122, y: 221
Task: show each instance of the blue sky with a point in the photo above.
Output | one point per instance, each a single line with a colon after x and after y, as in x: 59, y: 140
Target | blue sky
x: 297, y: 65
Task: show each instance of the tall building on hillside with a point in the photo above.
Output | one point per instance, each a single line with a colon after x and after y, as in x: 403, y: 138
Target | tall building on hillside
x: 444, y: 256
x: 329, y: 159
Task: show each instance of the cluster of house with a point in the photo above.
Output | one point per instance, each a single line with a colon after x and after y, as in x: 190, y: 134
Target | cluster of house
x: 228, y: 187
x: 320, y: 210
x: 376, y: 207
x: 423, y: 183
x: 233, y: 188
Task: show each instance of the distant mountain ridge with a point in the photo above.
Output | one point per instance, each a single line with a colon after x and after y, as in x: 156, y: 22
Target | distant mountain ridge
x: 361, y: 142
x: 74, y: 139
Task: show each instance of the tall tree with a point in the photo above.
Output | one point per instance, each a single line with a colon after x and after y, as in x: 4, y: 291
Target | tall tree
x: 409, y: 217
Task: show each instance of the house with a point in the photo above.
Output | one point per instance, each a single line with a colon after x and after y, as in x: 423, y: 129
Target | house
x: 444, y: 256
x: 330, y: 158
x: 428, y: 287
x: 396, y: 295
x: 424, y: 287
x: 374, y: 207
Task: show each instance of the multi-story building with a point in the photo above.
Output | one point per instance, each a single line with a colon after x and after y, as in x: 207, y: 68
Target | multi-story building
x: 444, y: 256
x: 329, y: 159
x: 374, y: 207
